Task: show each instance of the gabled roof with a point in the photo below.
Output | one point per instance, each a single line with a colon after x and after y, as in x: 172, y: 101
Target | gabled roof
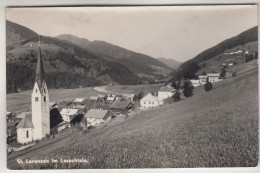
x: 93, y: 98
x: 67, y: 111
x: 195, y: 81
x: 150, y: 97
x: 26, y: 122
x: 166, y: 88
x: 203, y: 76
x: 213, y: 74
x: 79, y: 100
x: 96, y: 113
x: 120, y: 104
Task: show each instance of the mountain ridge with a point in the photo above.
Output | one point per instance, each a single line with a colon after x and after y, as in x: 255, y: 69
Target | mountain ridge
x: 192, y: 66
x: 137, y: 62
x: 66, y: 65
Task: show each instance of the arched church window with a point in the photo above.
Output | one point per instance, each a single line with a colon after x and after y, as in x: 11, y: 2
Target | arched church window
x: 36, y: 90
x: 44, y: 98
x: 36, y: 99
x: 27, y: 133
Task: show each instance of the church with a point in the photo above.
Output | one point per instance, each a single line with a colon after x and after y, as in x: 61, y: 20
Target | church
x: 36, y: 124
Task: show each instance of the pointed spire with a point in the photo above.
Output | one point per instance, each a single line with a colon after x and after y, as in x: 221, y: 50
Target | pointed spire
x: 39, y: 71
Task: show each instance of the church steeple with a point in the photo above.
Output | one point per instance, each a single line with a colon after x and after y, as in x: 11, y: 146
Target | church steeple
x: 39, y: 71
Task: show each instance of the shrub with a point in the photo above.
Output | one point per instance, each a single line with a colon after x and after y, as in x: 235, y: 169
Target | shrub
x: 187, y: 89
x: 208, y: 86
x: 174, y: 85
x: 176, y: 97
x: 140, y: 95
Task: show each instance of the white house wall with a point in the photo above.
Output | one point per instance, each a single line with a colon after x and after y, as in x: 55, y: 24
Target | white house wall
x: 164, y: 95
x: 149, y: 104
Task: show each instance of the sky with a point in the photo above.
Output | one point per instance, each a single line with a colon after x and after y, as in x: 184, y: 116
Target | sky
x: 174, y: 32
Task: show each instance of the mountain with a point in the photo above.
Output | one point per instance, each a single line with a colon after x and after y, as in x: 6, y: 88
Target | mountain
x: 192, y: 66
x: 140, y: 64
x: 169, y: 62
x: 66, y: 65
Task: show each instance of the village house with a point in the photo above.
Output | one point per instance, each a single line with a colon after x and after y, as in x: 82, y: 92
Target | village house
x: 61, y: 126
x: 111, y: 98
x: 95, y: 116
x: 78, y: 100
x: 213, y: 77
x: 94, y: 98
x: 195, y: 82
x: 203, y: 79
x: 230, y: 63
x: 68, y: 114
x: 150, y: 101
x: 166, y: 92
x: 129, y: 96
x: 121, y: 107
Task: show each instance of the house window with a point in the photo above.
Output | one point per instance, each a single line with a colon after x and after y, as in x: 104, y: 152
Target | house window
x: 36, y: 99
x: 44, y: 98
x: 27, y: 134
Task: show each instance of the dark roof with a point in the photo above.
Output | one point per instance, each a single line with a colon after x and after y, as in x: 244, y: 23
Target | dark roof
x: 26, y: 122
x: 39, y: 78
x: 96, y: 113
x: 120, y: 104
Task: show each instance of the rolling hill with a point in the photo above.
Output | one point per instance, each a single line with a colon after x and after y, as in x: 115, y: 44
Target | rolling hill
x: 192, y: 66
x: 66, y: 64
x: 140, y: 64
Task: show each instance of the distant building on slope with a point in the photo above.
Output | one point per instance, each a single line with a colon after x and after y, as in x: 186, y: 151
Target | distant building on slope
x: 195, y: 82
x: 213, y: 77
x: 166, y: 92
x: 37, y: 125
x: 95, y: 116
x: 150, y: 101
x: 203, y: 79
x: 68, y: 114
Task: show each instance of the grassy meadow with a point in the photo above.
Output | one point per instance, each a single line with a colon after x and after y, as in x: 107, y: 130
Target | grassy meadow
x: 214, y: 129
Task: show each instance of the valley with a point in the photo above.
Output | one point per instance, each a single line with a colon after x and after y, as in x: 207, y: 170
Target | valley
x: 213, y: 129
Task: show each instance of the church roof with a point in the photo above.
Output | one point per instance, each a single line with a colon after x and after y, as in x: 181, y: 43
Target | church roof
x: 26, y: 122
x: 39, y: 70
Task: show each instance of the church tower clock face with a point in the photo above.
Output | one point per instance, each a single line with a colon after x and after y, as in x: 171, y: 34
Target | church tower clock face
x: 40, y: 102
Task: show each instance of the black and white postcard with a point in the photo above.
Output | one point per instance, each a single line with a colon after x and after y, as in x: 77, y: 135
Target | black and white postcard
x: 112, y: 87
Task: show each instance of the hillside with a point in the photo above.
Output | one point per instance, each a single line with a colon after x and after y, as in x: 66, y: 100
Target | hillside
x: 192, y: 66
x: 216, y: 63
x: 66, y: 65
x: 140, y: 64
x: 214, y: 129
x: 170, y: 62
